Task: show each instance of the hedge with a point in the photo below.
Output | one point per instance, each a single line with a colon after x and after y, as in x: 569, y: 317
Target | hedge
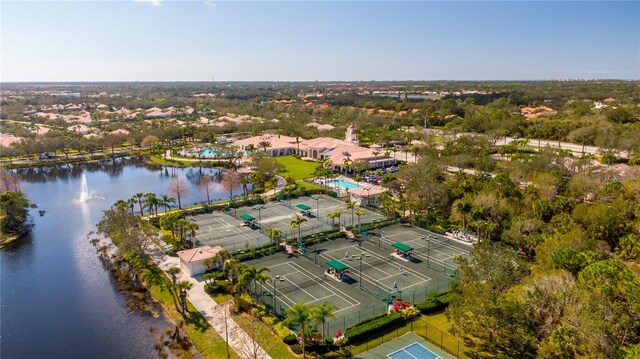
x: 372, y: 328
x: 434, y: 305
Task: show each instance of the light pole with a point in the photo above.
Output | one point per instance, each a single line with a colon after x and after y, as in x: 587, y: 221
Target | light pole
x: 428, y: 251
x: 259, y: 209
x: 317, y: 198
x: 360, y: 271
x: 380, y: 238
x: 275, y: 294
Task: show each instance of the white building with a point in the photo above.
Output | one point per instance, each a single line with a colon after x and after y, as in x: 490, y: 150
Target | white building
x: 192, y: 260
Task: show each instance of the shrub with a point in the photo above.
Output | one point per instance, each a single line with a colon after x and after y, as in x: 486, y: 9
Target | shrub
x: 290, y: 339
x: 296, y: 348
x: 410, y: 313
x: 378, y: 326
x: 281, y: 330
x: 434, y: 304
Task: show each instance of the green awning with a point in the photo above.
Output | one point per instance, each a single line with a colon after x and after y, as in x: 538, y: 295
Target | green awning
x: 247, y: 217
x: 337, y: 265
x: 402, y: 247
x: 303, y: 207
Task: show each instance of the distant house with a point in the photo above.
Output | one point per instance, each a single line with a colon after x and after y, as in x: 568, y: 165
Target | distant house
x: 192, y: 260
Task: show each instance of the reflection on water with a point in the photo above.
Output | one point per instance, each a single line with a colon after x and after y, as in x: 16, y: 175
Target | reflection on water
x: 57, y: 300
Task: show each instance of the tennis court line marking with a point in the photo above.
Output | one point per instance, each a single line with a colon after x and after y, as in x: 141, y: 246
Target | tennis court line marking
x: 373, y: 281
x: 387, y: 260
x: 330, y: 289
x: 417, y: 235
x: 417, y: 238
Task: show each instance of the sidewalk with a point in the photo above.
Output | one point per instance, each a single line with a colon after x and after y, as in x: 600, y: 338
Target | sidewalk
x: 213, y: 312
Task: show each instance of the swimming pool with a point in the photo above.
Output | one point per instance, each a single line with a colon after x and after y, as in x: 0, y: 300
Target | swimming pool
x: 343, y: 184
x: 209, y: 152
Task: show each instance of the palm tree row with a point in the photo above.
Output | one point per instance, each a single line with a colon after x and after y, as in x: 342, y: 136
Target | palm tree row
x: 305, y: 315
x: 150, y: 201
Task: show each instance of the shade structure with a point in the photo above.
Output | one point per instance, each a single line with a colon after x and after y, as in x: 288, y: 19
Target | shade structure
x: 247, y: 217
x: 402, y: 247
x: 303, y: 207
x: 337, y: 265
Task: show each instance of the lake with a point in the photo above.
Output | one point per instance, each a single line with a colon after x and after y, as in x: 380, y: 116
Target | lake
x: 57, y: 300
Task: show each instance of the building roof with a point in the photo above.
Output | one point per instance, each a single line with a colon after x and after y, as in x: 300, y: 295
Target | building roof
x: 199, y: 254
x: 367, y: 191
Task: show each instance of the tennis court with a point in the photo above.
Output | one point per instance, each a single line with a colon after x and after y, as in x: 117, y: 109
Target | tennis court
x: 221, y: 229
x: 324, y: 205
x: 377, y: 272
x: 408, y: 346
x: 314, y: 209
x: 434, y: 250
x: 297, y: 280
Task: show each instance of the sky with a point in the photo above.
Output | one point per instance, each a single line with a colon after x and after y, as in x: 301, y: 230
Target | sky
x: 158, y: 40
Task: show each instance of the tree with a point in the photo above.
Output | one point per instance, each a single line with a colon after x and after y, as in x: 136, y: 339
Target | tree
x: 359, y: 213
x: 264, y: 145
x: 230, y: 181
x: 178, y: 189
x: 335, y: 215
x: 206, y: 185
x: 126, y: 230
x: 139, y: 196
x: 14, y: 211
x: 182, y: 288
x: 480, y: 309
x: 351, y: 206
x: 150, y: 141
x: 297, y: 223
x: 166, y: 202
x: 274, y: 234
x: 321, y: 312
x: 191, y: 228
x: 173, y: 273
x: 112, y: 141
x: 151, y: 202
x: 252, y: 274
x: 254, y: 329
x: 299, y: 314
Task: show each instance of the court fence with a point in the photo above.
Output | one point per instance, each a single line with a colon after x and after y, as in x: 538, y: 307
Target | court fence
x: 444, y: 340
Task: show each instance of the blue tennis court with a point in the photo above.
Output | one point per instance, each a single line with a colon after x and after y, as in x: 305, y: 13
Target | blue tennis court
x: 413, y: 351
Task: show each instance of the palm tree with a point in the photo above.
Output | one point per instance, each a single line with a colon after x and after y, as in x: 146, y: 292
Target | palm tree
x: 335, y: 215
x: 182, y: 224
x: 299, y: 314
x: 463, y: 206
x: 182, y: 288
x: 166, y: 201
x: 359, y: 213
x: 139, y: 196
x: 320, y: 313
x: 191, y: 228
x: 351, y: 205
x: 230, y: 266
x: 152, y: 202
x: 132, y: 202
x: 252, y: 274
x: 264, y: 145
x: 173, y: 274
x: 297, y: 223
x: 274, y: 234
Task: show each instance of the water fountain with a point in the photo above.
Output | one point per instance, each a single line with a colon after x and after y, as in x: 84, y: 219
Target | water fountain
x: 85, y: 195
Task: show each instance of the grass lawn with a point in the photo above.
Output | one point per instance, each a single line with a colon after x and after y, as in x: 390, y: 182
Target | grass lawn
x: 273, y: 345
x: 208, y: 342
x: 298, y: 169
x: 305, y: 185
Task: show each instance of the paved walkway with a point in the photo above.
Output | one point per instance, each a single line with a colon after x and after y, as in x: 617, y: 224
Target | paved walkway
x: 214, y: 313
